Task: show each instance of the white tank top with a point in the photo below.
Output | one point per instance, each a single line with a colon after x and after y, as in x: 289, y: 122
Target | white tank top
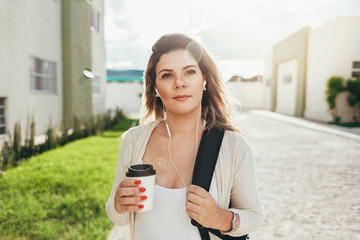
x: 168, y: 218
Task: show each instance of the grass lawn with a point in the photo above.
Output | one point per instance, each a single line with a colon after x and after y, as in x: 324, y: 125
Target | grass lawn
x: 61, y: 194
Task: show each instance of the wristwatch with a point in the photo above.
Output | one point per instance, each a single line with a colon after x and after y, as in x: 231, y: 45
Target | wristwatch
x: 235, y: 222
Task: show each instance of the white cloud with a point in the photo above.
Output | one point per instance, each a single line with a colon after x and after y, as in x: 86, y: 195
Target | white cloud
x: 232, y: 29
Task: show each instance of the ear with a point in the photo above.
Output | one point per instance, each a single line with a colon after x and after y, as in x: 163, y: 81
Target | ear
x: 204, y: 77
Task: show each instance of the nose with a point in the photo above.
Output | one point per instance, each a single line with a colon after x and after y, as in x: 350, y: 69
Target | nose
x: 179, y: 82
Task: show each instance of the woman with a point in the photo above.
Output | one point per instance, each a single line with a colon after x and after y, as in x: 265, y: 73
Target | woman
x: 185, y: 94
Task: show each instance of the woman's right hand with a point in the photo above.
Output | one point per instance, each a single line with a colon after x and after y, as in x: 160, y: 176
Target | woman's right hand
x: 125, y: 199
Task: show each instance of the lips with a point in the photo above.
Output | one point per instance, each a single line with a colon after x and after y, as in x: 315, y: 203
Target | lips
x: 182, y: 97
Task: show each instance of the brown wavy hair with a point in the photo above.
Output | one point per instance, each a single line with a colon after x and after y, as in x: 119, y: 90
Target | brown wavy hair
x: 216, y: 109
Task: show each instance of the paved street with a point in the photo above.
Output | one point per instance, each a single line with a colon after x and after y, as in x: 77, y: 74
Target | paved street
x: 308, y: 181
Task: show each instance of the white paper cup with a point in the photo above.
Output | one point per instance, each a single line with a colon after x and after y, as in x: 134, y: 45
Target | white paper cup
x: 146, y: 174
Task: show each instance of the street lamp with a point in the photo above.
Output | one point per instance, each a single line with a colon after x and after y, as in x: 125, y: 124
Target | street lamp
x: 88, y: 74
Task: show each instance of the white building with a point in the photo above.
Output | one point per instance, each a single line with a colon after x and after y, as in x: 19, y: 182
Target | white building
x: 246, y: 95
x: 333, y: 50
x: 124, y: 90
x: 39, y: 50
x: 301, y: 64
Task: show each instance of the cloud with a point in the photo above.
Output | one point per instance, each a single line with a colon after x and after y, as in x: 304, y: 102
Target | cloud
x: 231, y: 29
x: 235, y: 41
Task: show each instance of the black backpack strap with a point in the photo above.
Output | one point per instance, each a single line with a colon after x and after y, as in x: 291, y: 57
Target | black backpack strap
x: 205, y: 165
x: 203, y: 172
x: 206, y: 158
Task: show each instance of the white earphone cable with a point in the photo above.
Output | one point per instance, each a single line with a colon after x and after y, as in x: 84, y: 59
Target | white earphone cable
x: 196, y: 145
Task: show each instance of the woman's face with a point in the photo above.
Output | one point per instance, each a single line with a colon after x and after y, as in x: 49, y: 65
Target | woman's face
x: 179, y: 82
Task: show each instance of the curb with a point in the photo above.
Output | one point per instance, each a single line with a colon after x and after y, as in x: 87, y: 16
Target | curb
x: 353, y: 133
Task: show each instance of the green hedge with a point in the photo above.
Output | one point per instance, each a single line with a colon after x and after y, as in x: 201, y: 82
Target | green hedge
x: 13, y: 152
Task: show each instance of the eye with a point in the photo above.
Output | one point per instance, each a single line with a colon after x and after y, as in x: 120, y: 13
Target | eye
x: 166, y: 75
x: 192, y: 71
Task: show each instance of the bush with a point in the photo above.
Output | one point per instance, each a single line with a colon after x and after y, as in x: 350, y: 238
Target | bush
x: 12, y: 152
x: 335, y: 85
x: 353, y: 86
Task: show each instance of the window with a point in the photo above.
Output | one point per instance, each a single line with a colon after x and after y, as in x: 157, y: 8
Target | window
x: 95, y: 20
x: 43, y: 75
x: 2, y: 116
x: 355, y: 70
x: 96, y: 85
x: 287, y: 78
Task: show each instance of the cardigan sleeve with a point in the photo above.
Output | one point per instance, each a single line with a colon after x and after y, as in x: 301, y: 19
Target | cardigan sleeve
x: 124, y: 157
x: 245, y: 199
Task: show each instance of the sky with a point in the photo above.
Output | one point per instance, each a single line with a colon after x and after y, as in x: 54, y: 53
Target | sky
x: 239, y: 34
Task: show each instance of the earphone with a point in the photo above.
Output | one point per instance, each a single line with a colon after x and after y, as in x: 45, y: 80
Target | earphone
x: 157, y: 92
x: 168, y: 129
x: 167, y: 126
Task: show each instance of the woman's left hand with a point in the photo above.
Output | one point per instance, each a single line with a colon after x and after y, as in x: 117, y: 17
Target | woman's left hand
x: 202, y: 207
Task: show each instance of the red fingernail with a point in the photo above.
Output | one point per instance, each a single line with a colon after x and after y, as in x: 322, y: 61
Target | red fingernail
x: 141, y: 206
x: 143, y: 197
x: 137, y: 182
x: 142, y: 189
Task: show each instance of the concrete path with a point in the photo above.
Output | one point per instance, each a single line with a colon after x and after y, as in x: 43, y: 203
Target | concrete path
x: 308, y: 177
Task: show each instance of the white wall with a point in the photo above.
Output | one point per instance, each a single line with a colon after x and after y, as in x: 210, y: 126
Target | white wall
x: 124, y: 95
x: 248, y: 94
x: 14, y: 61
x: 344, y: 110
x: 45, y: 42
x: 98, y: 59
x: 331, y: 51
x: 267, y: 83
x: 286, y: 87
x: 29, y: 28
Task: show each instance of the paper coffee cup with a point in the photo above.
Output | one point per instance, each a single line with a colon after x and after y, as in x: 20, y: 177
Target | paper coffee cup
x: 146, y: 174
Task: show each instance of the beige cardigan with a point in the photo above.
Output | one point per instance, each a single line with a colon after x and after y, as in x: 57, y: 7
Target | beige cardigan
x: 235, y: 177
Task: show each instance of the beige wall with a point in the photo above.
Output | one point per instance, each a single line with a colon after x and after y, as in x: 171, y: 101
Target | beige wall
x: 287, y: 82
x: 293, y: 47
x: 344, y: 110
x: 249, y: 94
x: 29, y: 28
x: 332, y: 49
x: 98, y: 59
x: 267, y: 83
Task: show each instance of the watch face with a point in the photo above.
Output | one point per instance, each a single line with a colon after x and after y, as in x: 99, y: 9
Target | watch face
x: 236, y: 222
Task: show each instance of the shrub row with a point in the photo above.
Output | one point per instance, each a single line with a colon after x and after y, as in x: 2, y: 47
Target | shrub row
x: 13, y: 152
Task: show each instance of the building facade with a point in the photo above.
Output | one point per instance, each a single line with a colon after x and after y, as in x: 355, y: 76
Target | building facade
x: 44, y: 49
x: 124, y: 90
x: 301, y: 64
x: 334, y: 50
x: 289, y: 74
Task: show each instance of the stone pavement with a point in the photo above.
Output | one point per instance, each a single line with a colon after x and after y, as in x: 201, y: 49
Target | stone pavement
x: 308, y: 178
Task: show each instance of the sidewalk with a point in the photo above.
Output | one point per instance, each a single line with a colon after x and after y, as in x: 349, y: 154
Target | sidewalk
x: 353, y: 133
